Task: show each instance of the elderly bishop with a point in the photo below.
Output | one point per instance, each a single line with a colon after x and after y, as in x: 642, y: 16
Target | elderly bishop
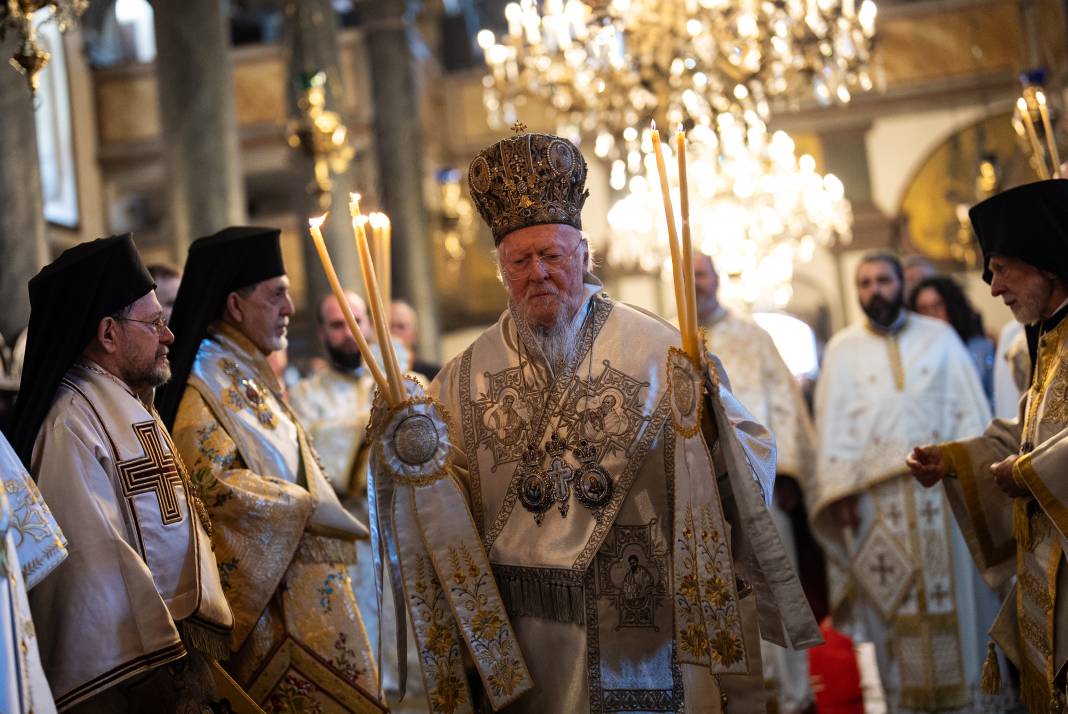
x: 616, y: 524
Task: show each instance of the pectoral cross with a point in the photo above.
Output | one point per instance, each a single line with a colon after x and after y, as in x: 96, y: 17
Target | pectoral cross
x: 561, y: 475
x: 883, y: 569
x: 155, y: 472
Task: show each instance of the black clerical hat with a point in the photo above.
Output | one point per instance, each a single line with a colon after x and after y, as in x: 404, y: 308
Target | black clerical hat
x: 217, y: 265
x: 1029, y: 222
x: 68, y: 298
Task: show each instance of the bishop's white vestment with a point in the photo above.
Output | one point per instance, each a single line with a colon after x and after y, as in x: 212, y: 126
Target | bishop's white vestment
x: 904, y: 579
x: 31, y: 548
x: 140, y: 583
x: 636, y: 567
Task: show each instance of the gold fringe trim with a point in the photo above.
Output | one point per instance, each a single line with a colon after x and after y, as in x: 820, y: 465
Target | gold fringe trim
x: 320, y: 549
x: 214, y: 645
x: 1034, y: 690
x: 991, y: 679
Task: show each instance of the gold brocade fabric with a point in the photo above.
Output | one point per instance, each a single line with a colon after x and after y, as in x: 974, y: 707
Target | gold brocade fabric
x: 283, y: 543
x: 1024, y: 536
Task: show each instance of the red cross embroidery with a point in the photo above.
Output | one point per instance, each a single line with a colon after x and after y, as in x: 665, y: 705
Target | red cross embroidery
x: 155, y: 472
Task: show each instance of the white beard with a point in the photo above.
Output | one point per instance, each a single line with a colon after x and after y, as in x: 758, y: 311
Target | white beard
x: 559, y: 341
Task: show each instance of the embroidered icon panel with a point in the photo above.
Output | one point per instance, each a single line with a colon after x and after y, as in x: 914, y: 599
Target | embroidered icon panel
x: 605, y: 412
x: 632, y: 574
x: 503, y: 416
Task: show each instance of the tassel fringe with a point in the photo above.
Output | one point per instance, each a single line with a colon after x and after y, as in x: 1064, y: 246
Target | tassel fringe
x: 549, y: 594
x: 991, y: 679
x: 214, y: 645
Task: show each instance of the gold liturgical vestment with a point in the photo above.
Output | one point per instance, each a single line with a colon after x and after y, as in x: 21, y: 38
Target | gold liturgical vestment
x: 140, y: 577
x: 1025, y: 537
x: 282, y: 540
x: 638, y: 568
x: 335, y: 408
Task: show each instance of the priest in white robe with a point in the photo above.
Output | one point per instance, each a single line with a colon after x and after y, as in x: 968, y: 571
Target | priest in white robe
x: 762, y: 382
x: 600, y: 540
x: 133, y: 616
x: 32, y: 546
x: 897, y: 564
x: 1008, y: 486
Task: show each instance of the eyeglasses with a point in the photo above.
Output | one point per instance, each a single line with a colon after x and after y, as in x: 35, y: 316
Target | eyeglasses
x: 159, y: 324
x: 551, y: 260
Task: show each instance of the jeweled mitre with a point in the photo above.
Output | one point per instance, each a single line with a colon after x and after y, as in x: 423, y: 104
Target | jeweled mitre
x: 528, y: 180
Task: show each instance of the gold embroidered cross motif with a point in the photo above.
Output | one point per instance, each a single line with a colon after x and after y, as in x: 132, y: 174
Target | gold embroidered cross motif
x: 155, y: 472
x: 519, y: 127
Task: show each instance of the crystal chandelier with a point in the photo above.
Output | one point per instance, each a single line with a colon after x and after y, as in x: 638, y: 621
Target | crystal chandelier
x: 756, y: 208
x: 606, y: 66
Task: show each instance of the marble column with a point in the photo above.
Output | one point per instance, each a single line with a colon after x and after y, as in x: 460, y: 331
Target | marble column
x: 23, y: 250
x: 204, y: 181
x: 310, y: 36
x: 398, y: 146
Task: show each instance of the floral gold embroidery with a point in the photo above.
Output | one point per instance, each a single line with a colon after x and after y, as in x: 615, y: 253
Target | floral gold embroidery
x: 436, y: 633
x: 491, y: 638
x: 709, y: 626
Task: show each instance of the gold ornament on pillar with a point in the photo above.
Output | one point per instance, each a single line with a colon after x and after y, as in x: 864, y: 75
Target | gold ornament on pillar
x: 18, y: 16
x: 322, y: 135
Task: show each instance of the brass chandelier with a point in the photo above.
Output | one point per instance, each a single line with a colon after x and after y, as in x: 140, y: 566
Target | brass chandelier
x: 18, y: 16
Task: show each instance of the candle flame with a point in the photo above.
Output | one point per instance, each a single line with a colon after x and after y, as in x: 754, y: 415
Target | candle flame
x: 1040, y: 98
x: 681, y: 131
x: 354, y: 197
x: 1021, y: 104
x: 318, y: 221
x: 378, y: 220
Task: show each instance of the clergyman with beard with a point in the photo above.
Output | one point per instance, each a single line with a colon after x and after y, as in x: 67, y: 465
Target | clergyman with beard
x: 899, y: 570
x: 1008, y: 485
x: 561, y: 502
x: 129, y: 621
x: 282, y: 538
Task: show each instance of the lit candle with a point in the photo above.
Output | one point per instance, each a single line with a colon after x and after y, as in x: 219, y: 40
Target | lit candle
x: 380, y: 253
x: 315, y: 227
x: 690, y: 341
x: 1051, y: 139
x: 387, y: 259
x: 374, y: 300
x: 673, y: 239
x: 1025, y: 114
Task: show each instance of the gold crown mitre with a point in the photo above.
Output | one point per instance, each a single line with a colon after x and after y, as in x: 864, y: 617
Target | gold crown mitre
x: 527, y: 180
